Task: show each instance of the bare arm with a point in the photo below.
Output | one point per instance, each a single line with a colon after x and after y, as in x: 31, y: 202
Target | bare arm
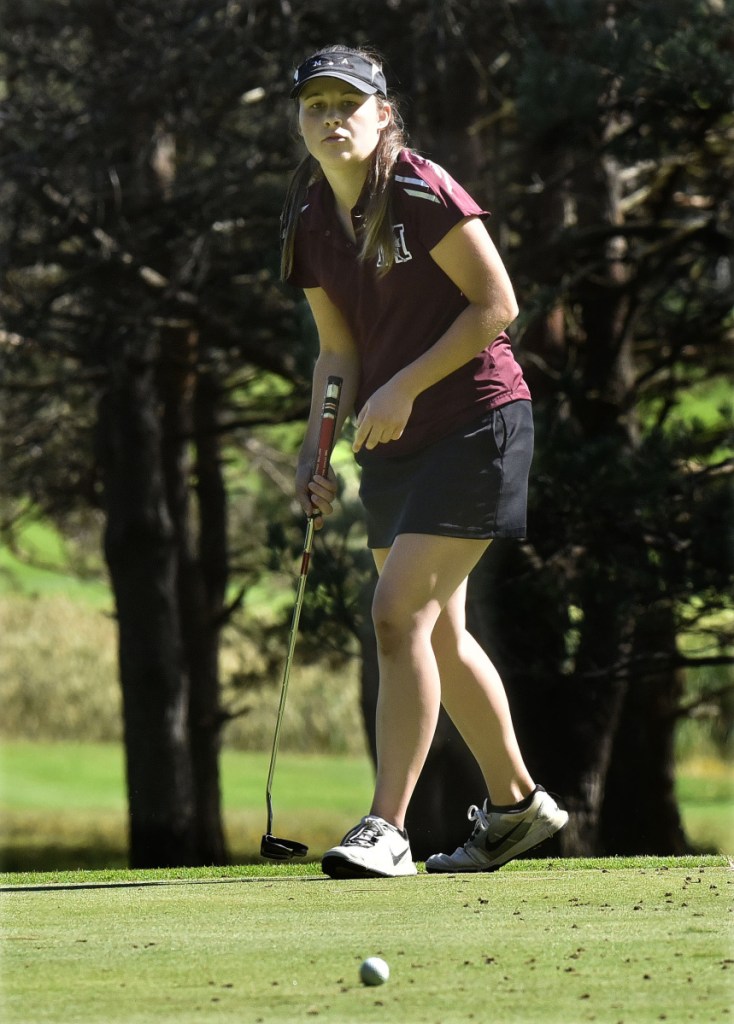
x: 468, y: 256
x: 338, y: 357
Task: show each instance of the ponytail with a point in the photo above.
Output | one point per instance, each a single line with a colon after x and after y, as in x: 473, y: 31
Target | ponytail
x: 305, y: 174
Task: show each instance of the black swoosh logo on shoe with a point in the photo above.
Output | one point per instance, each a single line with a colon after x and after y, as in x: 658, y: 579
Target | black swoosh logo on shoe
x: 396, y: 860
x: 493, y: 847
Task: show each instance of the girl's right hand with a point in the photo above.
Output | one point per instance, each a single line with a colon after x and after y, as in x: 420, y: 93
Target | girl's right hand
x: 316, y: 494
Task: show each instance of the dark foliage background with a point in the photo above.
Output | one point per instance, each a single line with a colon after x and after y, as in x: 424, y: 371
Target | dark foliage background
x: 147, y: 344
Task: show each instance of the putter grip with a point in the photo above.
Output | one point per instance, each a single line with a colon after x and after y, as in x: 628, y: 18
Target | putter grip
x: 328, y: 425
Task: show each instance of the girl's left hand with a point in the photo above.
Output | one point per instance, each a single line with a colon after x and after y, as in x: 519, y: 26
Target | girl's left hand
x: 383, y: 416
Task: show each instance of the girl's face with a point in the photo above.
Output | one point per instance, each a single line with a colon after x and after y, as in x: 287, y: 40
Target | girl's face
x: 340, y: 125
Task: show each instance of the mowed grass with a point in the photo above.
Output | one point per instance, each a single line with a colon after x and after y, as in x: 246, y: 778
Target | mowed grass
x: 62, y: 805
x: 619, y: 940
x: 616, y: 942
x: 43, y: 564
x: 705, y: 789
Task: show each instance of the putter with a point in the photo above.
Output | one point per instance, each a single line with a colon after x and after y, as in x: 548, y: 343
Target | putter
x: 273, y: 847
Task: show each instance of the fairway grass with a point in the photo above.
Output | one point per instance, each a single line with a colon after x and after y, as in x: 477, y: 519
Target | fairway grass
x: 62, y: 805
x: 563, y: 942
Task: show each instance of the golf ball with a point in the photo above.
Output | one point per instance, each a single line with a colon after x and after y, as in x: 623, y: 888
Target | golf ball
x: 374, y: 971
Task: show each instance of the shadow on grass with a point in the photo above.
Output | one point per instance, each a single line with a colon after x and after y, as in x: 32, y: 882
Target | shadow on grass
x: 57, y: 857
x: 90, y: 841
x: 52, y: 857
x: 99, y: 857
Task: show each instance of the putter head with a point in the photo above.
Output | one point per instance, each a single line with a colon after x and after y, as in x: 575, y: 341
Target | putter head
x: 273, y: 848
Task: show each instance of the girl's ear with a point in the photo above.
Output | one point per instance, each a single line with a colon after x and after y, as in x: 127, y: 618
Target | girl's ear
x: 384, y: 116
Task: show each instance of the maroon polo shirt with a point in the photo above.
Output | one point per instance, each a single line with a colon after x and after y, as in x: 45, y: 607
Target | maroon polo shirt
x: 396, y: 317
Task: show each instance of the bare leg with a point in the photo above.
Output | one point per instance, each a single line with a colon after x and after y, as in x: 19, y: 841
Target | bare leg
x: 418, y: 576
x: 475, y: 699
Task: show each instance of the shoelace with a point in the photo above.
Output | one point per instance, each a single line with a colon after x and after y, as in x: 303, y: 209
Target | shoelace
x: 365, y: 834
x: 477, y: 815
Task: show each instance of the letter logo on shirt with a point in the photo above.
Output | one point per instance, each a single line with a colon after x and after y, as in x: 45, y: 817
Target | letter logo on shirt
x: 402, y: 252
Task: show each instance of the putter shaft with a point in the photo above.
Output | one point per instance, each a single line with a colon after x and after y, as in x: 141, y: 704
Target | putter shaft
x: 300, y: 591
x: 271, y: 846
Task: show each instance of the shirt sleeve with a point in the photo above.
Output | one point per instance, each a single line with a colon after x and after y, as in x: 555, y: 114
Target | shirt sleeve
x: 431, y: 199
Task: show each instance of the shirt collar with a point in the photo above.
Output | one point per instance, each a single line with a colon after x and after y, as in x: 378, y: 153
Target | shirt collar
x: 319, y: 213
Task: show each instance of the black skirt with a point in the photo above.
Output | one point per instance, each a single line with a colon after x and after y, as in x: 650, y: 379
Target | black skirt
x: 472, y: 483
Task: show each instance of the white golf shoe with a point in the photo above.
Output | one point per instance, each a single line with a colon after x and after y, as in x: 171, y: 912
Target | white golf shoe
x: 372, y: 849
x: 501, y: 835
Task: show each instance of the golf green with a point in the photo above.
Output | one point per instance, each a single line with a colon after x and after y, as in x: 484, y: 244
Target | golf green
x: 543, y: 941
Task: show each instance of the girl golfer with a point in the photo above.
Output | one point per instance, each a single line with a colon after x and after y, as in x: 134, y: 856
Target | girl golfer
x: 411, y: 299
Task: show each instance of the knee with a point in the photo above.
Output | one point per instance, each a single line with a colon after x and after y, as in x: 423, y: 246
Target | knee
x: 395, y: 625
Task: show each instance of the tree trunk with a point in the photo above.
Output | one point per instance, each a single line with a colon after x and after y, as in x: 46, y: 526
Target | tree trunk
x: 212, y: 571
x: 189, y: 415
x: 140, y: 549
x: 564, y: 713
x: 593, y: 697
x: 640, y: 812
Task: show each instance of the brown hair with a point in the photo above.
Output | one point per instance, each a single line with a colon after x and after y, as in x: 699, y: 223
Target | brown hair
x: 377, y: 241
